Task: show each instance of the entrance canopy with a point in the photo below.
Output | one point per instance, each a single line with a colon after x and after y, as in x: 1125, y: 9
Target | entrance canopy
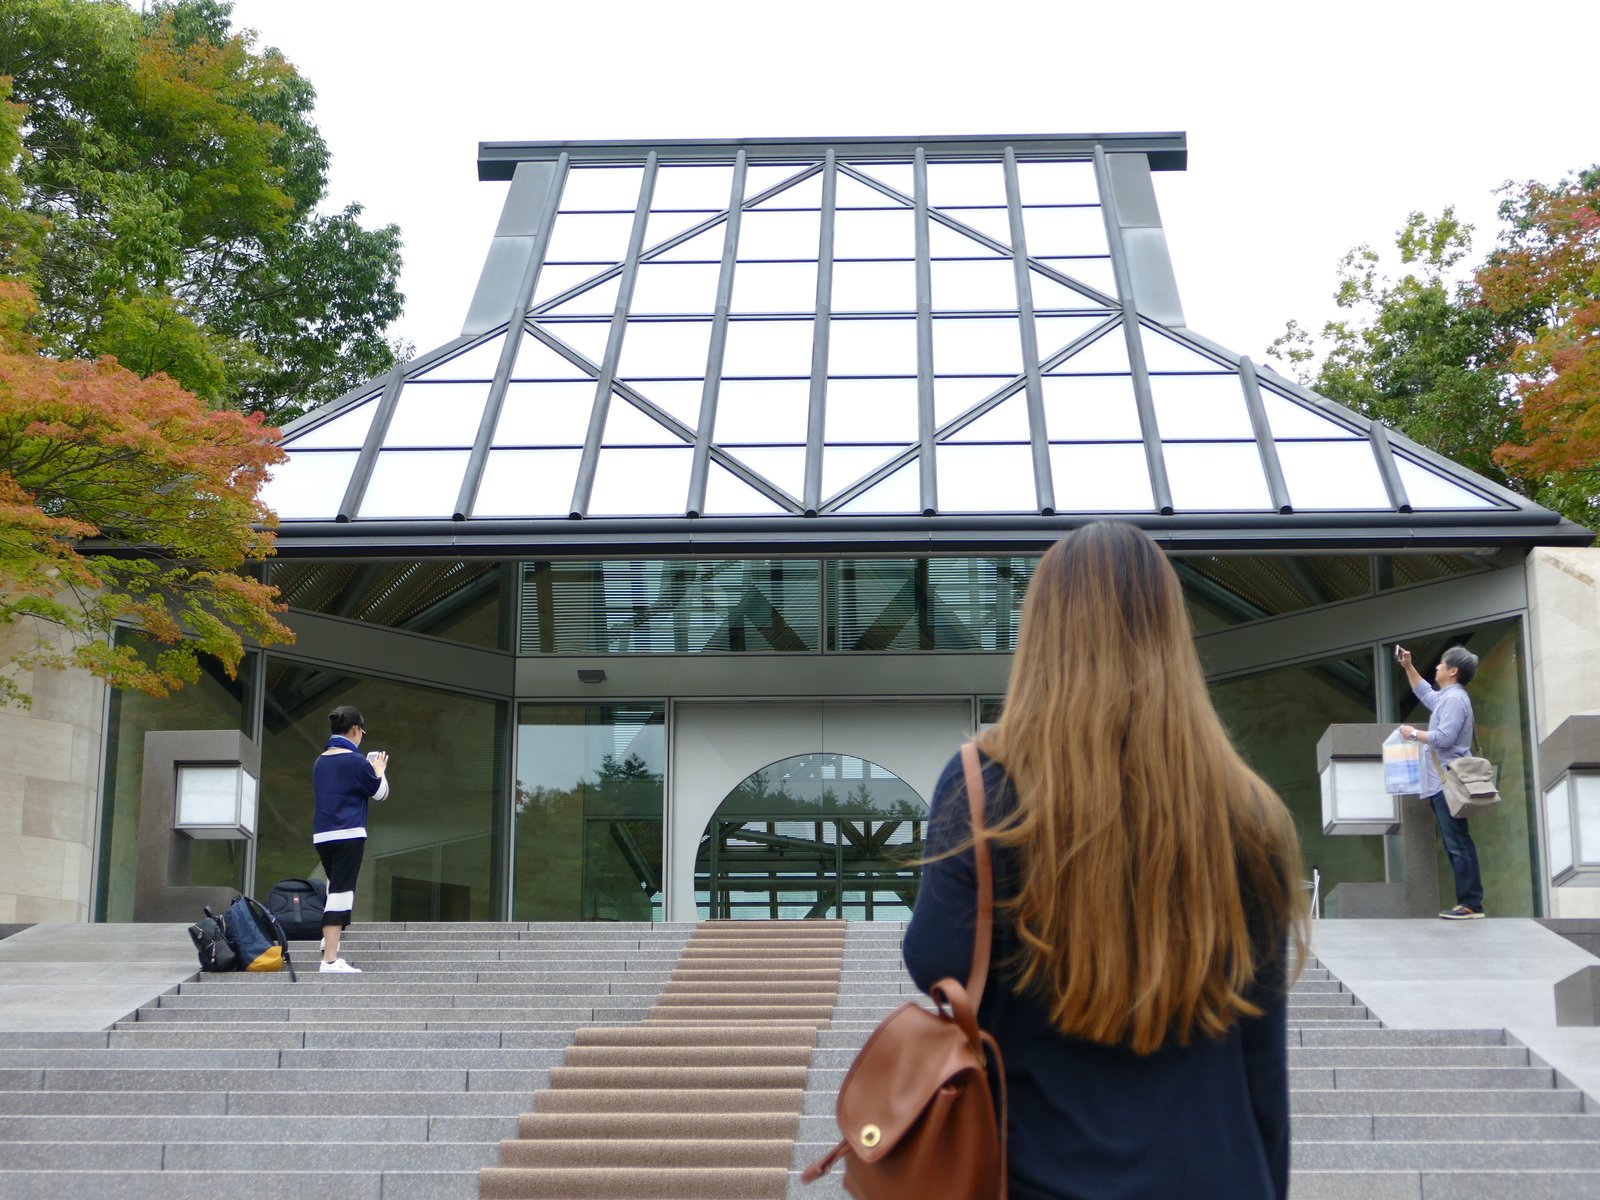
x: 785, y: 346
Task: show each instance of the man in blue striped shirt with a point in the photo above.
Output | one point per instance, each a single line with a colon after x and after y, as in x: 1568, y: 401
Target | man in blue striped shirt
x: 1449, y: 736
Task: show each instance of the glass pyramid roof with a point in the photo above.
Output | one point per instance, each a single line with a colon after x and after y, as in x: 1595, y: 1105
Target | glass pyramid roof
x: 941, y: 332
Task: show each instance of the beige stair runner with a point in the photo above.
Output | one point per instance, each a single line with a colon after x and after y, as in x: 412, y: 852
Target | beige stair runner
x: 700, y: 1101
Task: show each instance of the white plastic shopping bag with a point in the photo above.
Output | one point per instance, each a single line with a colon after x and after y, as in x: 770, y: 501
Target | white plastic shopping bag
x: 1402, y: 766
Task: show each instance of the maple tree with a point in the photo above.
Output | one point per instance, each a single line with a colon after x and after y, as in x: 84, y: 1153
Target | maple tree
x: 177, y: 175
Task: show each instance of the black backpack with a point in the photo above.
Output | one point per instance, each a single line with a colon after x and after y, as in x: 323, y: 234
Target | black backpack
x: 256, y: 937
x: 210, y: 937
x: 298, y: 905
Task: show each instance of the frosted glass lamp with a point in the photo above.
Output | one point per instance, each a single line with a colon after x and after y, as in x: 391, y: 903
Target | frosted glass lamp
x: 1350, y: 767
x: 215, y: 801
x: 1569, y: 762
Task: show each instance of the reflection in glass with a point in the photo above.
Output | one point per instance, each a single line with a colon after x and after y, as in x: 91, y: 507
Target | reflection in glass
x: 817, y: 835
x: 986, y: 479
x: 434, y: 847
x: 1237, y: 588
x: 310, y: 485
x: 458, y: 601
x: 942, y: 604
x: 588, y: 812
x: 414, y: 483
x: 437, y: 414
x: 670, y: 607
x: 653, y: 482
x: 1105, y: 478
x: 527, y: 483
x: 1216, y: 476
x: 1332, y: 475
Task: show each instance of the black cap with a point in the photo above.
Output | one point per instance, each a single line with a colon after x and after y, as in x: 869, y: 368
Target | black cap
x: 346, y: 717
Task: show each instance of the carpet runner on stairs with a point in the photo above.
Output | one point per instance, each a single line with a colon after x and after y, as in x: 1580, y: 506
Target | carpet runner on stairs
x: 702, y: 1099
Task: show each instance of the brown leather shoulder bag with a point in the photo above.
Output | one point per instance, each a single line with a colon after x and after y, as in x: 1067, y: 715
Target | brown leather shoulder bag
x: 915, y: 1109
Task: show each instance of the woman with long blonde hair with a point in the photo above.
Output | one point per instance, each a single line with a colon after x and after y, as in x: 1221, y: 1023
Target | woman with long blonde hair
x: 1146, y: 896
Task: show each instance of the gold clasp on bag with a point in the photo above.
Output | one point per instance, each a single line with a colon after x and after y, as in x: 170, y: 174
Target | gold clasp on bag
x: 871, y: 1135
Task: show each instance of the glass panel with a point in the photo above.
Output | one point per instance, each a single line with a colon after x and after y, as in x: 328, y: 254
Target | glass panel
x: 589, y: 237
x: 588, y: 338
x: 426, y: 859
x: 952, y: 397
x: 1007, y: 422
x: 437, y: 414
x: 414, y: 483
x: 600, y: 300
x: 874, y: 233
x: 1055, y: 334
x: 555, y: 279
x: 1098, y: 273
x: 850, y: 194
x: 1057, y: 183
x: 767, y: 234
x: 527, y: 483
x: 460, y: 601
x: 535, y: 360
x: 1233, y: 589
x: 1275, y: 719
x: 1558, y: 823
x: 765, y: 348
x: 874, y: 287
x: 799, y: 840
x: 944, y: 242
x: 477, y: 363
x: 1107, y: 354
x: 213, y: 701
x: 670, y: 607
x: 967, y: 286
x: 1216, y: 476
x: 1048, y: 294
x: 627, y: 425
x: 1161, y: 353
x: 1586, y: 805
x: 805, y: 194
x: 980, y: 346
x: 1113, y: 478
x: 1090, y: 408
x: 701, y: 187
x: 706, y: 246
x: 347, y: 431
x: 1201, y: 407
x: 682, y: 400
x: 1052, y: 231
x: 986, y: 479
x: 1332, y: 475
x: 675, y: 288
x: 545, y: 414
x: 843, y: 465
x: 602, y: 187
x: 588, y: 814
x: 871, y: 410
x: 1505, y: 837
x: 784, y: 466
x: 899, y: 176
x: 872, y: 347
x: 758, y: 179
x: 900, y: 493
x: 945, y: 604
x: 996, y: 222
x: 310, y: 485
x: 1291, y: 419
x: 665, y: 348
x: 663, y: 226
x: 727, y: 494
x: 965, y: 183
x: 774, y: 287
x: 1427, y: 490
x: 653, y: 482
x: 763, y: 411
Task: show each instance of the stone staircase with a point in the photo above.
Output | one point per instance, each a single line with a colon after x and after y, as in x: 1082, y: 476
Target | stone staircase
x: 402, y: 1083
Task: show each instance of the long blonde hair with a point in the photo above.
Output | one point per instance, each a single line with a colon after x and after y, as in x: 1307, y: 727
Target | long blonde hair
x: 1143, y: 838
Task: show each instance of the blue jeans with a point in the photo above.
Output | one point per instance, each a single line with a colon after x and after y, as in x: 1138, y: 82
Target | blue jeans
x: 1463, y: 854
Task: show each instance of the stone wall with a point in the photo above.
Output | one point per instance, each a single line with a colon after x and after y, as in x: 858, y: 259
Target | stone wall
x: 50, y: 758
x: 1564, y: 646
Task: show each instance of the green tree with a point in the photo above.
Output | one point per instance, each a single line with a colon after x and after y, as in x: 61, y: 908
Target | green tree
x: 177, y: 174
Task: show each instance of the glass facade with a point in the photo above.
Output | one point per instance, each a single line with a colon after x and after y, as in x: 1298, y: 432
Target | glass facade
x: 467, y: 602
x: 589, y: 811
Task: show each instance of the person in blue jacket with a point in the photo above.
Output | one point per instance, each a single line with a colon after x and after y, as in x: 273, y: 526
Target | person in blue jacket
x: 1146, y: 897
x: 343, y: 780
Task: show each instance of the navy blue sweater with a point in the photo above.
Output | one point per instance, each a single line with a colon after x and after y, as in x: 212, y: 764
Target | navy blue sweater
x: 342, y: 784
x: 1209, y: 1121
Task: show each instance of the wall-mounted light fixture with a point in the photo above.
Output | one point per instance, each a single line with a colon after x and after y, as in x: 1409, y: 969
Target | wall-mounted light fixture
x: 591, y: 675
x: 1569, y: 764
x: 1350, y: 765
x: 215, y: 801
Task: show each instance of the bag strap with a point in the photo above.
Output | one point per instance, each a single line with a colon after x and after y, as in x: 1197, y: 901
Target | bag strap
x: 984, y: 929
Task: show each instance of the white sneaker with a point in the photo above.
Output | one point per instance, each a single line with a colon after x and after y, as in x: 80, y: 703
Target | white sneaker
x: 338, y: 967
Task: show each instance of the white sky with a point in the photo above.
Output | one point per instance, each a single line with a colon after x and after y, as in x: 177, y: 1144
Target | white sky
x: 1311, y: 127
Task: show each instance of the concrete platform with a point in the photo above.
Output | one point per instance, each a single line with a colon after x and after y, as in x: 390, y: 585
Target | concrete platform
x: 77, y: 977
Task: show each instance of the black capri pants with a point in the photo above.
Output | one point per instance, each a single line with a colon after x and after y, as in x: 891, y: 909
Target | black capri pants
x: 342, y: 861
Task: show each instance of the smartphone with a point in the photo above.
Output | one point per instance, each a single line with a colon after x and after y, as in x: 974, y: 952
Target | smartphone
x: 1398, y: 651
x: 372, y: 755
